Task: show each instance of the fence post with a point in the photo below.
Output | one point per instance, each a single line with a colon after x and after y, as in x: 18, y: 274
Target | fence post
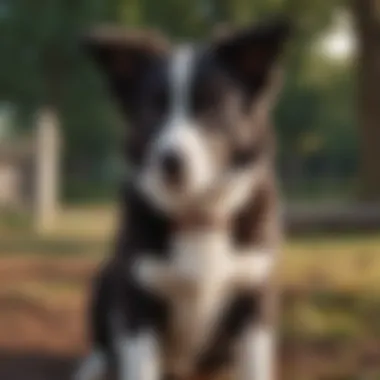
x: 47, y: 153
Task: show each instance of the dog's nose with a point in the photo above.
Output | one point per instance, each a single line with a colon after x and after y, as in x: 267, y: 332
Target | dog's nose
x: 171, y: 164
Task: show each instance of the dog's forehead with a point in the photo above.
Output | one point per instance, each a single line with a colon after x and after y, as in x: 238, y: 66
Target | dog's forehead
x: 197, y: 63
x: 188, y: 64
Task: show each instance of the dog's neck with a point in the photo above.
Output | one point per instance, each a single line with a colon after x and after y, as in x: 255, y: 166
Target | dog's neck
x: 201, y: 220
x: 217, y: 209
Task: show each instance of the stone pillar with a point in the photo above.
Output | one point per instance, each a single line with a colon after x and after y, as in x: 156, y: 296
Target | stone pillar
x: 47, y: 154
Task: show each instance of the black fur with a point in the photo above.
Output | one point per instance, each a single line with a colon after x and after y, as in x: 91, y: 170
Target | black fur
x: 137, y: 73
x: 116, y: 291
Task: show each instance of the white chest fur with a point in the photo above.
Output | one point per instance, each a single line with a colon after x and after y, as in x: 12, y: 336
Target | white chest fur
x: 200, y: 275
x: 205, y: 259
x: 205, y: 256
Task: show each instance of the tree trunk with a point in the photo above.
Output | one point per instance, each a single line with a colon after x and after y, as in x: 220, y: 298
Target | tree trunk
x: 366, y: 14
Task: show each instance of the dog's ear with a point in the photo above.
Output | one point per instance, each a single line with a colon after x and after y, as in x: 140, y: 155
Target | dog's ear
x: 124, y: 55
x: 250, y: 55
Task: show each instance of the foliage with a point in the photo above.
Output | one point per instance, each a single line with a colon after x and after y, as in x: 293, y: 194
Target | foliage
x: 42, y: 64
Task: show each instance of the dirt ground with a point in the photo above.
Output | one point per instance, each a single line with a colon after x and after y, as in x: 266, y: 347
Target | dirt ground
x: 43, y: 323
x: 45, y: 280
x: 42, y: 316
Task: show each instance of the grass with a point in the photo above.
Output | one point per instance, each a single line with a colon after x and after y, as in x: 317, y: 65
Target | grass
x: 350, y: 263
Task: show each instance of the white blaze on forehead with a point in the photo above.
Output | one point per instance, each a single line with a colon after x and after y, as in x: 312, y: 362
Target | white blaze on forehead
x: 180, y: 135
x: 181, y: 71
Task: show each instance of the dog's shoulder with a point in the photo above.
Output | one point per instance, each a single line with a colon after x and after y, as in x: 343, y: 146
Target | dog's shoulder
x: 259, y: 221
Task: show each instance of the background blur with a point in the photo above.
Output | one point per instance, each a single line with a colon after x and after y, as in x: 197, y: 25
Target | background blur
x: 59, y: 168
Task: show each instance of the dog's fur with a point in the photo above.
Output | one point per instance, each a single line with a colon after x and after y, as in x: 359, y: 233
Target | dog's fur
x: 190, y: 286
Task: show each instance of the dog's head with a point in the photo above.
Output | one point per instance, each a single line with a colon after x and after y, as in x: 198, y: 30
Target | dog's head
x: 196, y: 112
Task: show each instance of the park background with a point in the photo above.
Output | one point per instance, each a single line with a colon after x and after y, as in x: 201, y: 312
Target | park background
x: 60, y: 167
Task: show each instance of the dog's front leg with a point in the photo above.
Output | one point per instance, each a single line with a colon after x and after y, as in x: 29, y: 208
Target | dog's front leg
x: 254, y: 271
x: 257, y: 356
x: 139, y: 357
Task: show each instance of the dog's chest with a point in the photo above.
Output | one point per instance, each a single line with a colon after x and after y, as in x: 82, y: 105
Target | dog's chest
x: 205, y: 257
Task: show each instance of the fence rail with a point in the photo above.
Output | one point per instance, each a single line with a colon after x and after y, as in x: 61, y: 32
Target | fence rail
x: 332, y: 217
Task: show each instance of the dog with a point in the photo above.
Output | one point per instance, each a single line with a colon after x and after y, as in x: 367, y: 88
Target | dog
x: 191, y: 286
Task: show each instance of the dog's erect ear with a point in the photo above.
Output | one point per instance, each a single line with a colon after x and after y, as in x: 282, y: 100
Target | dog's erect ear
x: 124, y: 55
x: 251, y: 54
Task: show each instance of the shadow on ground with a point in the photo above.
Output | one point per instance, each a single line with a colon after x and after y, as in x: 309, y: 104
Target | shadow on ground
x: 34, y: 366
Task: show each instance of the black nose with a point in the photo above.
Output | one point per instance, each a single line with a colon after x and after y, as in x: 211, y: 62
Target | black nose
x: 172, y: 167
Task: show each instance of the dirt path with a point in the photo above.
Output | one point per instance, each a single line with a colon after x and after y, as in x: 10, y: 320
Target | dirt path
x: 43, y: 322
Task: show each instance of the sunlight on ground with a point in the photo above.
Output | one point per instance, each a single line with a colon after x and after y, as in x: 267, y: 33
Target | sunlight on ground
x: 87, y: 222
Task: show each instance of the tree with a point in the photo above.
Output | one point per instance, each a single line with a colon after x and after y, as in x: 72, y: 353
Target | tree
x: 367, y: 17
x: 42, y: 66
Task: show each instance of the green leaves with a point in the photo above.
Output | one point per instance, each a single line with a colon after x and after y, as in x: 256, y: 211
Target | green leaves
x: 41, y: 62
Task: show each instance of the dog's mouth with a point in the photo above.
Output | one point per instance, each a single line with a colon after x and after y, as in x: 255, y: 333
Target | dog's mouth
x: 186, y: 167
x: 179, y: 169
x: 173, y: 187
x: 221, y: 195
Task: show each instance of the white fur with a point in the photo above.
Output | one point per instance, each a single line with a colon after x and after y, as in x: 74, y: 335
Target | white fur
x: 163, y: 278
x: 202, y: 261
x: 201, y: 274
x: 257, y: 356
x: 196, y: 258
x: 139, y: 357
x: 203, y: 256
x: 181, y: 135
x: 189, y: 270
x: 92, y: 368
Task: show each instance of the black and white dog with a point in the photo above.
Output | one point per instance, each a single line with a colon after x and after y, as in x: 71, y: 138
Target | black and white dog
x: 190, y: 287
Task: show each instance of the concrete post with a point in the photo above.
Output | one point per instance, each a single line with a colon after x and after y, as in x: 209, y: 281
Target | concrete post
x: 47, y: 145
